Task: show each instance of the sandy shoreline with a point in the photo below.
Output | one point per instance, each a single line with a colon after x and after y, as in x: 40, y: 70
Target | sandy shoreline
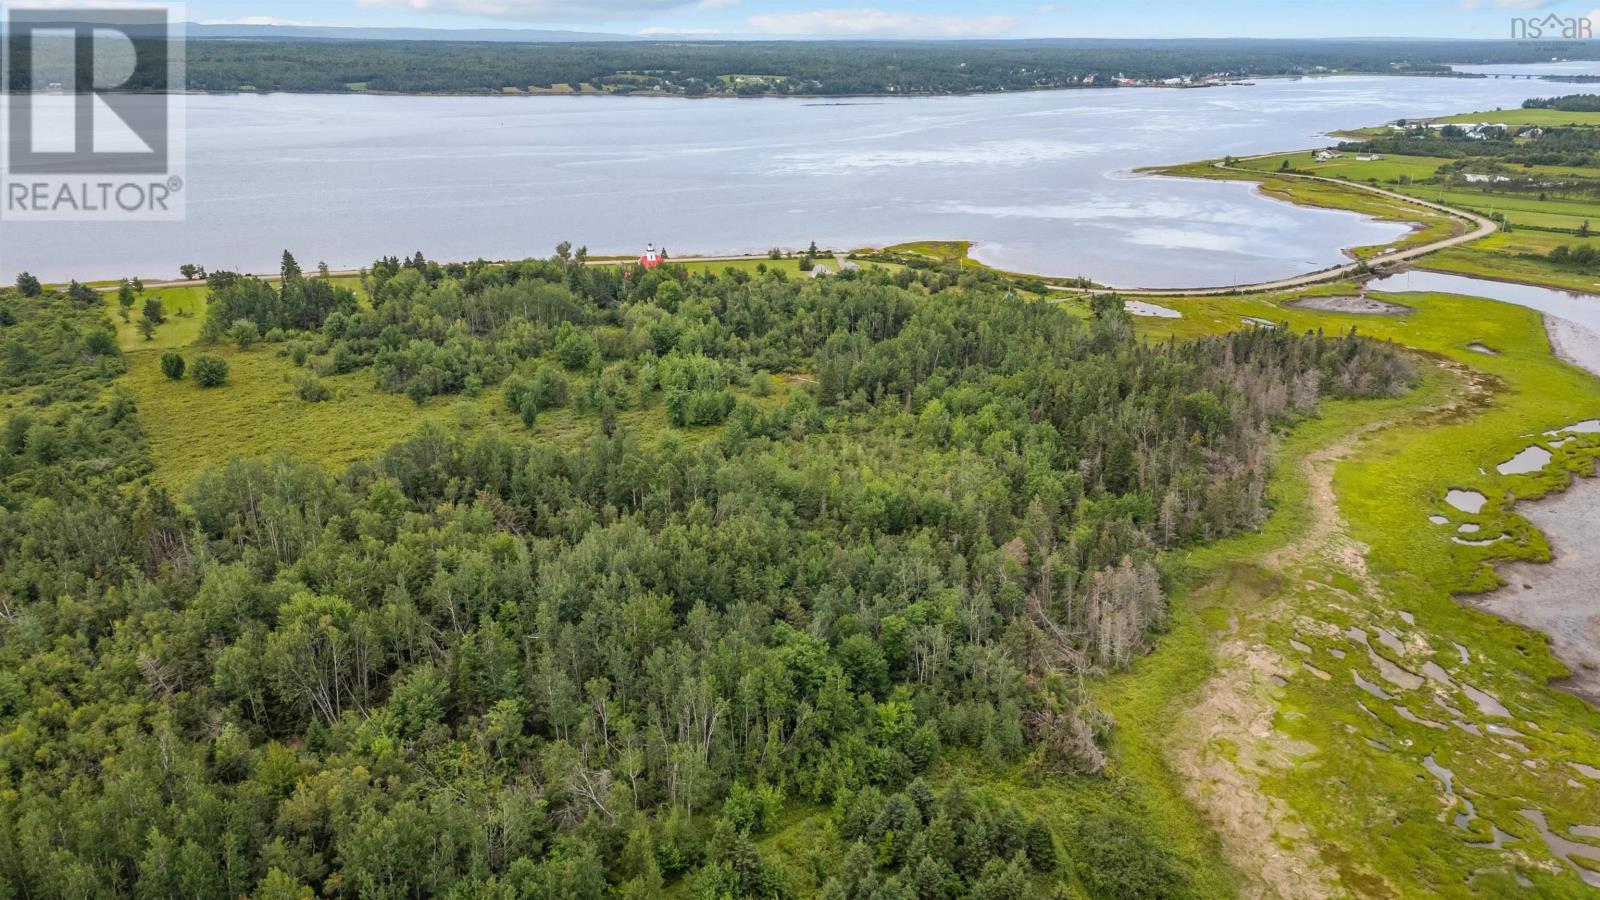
x: 1574, y: 343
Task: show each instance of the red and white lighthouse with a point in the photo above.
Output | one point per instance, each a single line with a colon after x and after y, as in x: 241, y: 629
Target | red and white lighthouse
x: 651, y: 257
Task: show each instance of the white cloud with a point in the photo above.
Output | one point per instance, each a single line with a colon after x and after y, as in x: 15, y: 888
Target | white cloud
x: 863, y: 21
x: 543, y: 10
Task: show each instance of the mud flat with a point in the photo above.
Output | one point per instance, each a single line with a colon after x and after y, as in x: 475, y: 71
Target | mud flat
x: 1141, y: 308
x: 1559, y: 598
x: 1360, y: 306
x: 1574, y: 343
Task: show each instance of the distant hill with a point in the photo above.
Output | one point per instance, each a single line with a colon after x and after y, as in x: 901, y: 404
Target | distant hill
x: 198, y: 31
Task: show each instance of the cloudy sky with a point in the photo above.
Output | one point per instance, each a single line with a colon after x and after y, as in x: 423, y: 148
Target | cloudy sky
x: 921, y: 18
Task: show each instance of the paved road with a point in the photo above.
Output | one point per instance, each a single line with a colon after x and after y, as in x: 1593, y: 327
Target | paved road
x: 1482, y: 227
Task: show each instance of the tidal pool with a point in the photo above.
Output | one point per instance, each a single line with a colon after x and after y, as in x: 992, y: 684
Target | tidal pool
x: 1531, y: 460
x: 1141, y: 308
x: 1470, y: 502
x: 1588, y: 426
x: 1566, y: 849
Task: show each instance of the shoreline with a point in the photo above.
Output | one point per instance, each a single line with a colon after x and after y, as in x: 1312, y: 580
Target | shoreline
x: 1241, y: 81
x: 1556, y: 598
x: 1575, y: 344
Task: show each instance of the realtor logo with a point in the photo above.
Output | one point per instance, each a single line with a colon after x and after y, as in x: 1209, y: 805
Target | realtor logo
x: 1552, y: 26
x: 94, y: 114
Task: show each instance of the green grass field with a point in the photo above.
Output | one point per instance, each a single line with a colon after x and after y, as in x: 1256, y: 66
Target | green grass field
x: 1518, y: 209
x: 1512, y: 255
x: 1525, y: 117
x: 1386, y: 171
x: 185, y: 310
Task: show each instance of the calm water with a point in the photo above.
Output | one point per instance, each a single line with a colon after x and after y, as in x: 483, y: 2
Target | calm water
x: 1580, y: 312
x: 1042, y: 181
x: 1581, y: 309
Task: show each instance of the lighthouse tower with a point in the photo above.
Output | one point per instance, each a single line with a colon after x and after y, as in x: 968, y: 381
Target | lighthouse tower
x: 651, y: 257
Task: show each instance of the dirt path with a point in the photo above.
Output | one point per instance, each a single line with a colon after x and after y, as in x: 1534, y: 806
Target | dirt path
x: 1226, y: 742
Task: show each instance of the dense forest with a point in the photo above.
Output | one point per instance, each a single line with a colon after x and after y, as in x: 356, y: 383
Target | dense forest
x: 894, y: 520
x: 697, y: 68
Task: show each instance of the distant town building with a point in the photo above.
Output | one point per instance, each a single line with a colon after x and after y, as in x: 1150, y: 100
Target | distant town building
x: 820, y: 271
x: 1369, y: 157
x: 1327, y: 154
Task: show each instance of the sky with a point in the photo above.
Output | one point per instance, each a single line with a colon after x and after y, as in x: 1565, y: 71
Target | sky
x: 917, y: 18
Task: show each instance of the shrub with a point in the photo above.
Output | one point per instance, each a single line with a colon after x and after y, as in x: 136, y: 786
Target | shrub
x: 311, y: 389
x: 244, y: 333
x: 1115, y: 859
x: 752, y: 811
x: 100, y: 342
x: 209, y: 371
x: 28, y: 286
x: 575, y: 348
x: 172, y: 365
x: 84, y: 294
x: 521, y: 399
